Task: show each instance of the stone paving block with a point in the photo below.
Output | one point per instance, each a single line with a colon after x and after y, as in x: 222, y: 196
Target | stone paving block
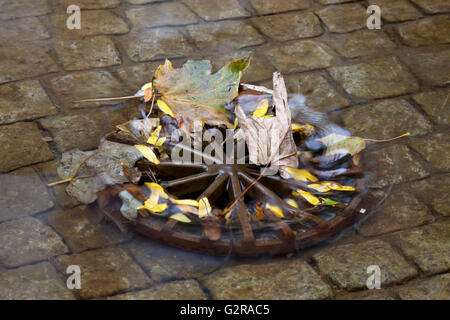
x: 433, y: 6
x: 361, y: 43
x: 211, y: 10
x: 287, y: 279
x: 435, y: 149
x: 81, y: 229
x: 23, y: 8
x: 86, y: 85
x: 428, y: 246
x: 28, y: 240
x: 24, y: 100
x: 224, y: 36
x: 424, y: 32
x: 136, y: 75
x: 385, y: 119
x: 152, y: 45
x: 400, y: 210
x: 26, y: 29
x: 392, y: 165
x: 435, y: 288
x: 435, y: 191
x: 93, y: 22
x: 90, y: 4
x: 431, y: 67
x: 104, y: 272
x: 344, y: 18
x: 301, y: 56
x: 346, y: 265
x: 377, y: 78
x: 21, y: 61
x: 175, y: 290
x: 320, y: 95
x: 167, y: 263
x: 395, y: 11
x: 48, y: 171
x: 84, y: 131
x: 436, y: 104
x: 35, y: 282
x: 87, y: 53
x: 22, y: 194
x: 289, y: 26
x: 22, y: 145
x: 161, y: 14
x: 268, y: 7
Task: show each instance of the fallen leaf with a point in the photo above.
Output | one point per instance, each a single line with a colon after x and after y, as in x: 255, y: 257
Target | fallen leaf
x: 148, y: 94
x: 301, y: 175
x: 165, y: 108
x: 303, y: 129
x: 307, y: 196
x: 275, y: 209
x: 195, y: 94
x: 339, y: 144
x: 261, y: 109
x: 154, y: 138
x: 336, y: 186
x: 329, y: 202
x: 186, y: 202
x: 180, y: 217
x: 319, y: 187
x: 259, y: 212
x: 292, y: 203
x: 204, y: 208
x: 148, y: 153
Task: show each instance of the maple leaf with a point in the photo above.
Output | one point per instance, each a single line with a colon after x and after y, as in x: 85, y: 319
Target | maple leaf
x: 339, y: 144
x: 195, y: 94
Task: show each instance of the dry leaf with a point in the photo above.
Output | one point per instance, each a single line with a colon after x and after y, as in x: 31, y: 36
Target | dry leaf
x: 339, y: 144
x: 148, y: 153
x: 180, y: 217
x: 204, y: 208
x: 275, y: 209
x: 261, y: 109
x: 301, y: 175
x: 165, y: 108
x: 307, y: 196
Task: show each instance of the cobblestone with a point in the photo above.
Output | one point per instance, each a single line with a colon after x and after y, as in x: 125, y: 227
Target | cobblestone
x: 343, y: 18
x: 395, y: 11
x: 435, y: 103
x: 217, y: 9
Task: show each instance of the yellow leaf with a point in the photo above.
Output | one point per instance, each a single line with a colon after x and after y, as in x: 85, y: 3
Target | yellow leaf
x: 275, y: 209
x: 186, y: 208
x: 154, y: 208
x: 204, y: 208
x: 235, y: 123
x: 187, y: 202
x: 292, y: 203
x: 180, y: 217
x: 309, y: 197
x: 146, y: 86
x: 301, y: 174
x: 319, y: 187
x: 303, y: 129
x: 148, y: 153
x: 165, y: 108
x: 261, y: 109
x: 336, y: 186
x: 153, y: 140
x: 157, y: 189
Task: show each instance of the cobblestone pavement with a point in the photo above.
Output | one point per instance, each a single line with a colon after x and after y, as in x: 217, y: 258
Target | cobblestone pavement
x: 378, y: 83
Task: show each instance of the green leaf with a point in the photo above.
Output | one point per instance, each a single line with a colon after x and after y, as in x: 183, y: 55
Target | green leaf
x: 339, y: 144
x: 193, y: 93
x: 329, y: 202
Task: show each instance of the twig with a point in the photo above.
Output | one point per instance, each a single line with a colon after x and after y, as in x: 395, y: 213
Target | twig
x: 109, y: 99
x: 75, y: 173
x: 387, y: 140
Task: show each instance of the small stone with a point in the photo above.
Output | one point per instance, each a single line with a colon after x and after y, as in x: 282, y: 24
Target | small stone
x: 301, y: 56
x: 320, y: 95
x: 436, y: 192
x: 48, y: 171
x: 346, y: 265
x: 23, y: 8
x: 385, y: 119
x: 152, y: 45
x: 392, y: 165
x: 433, y: 6
x: 36, y: 282
x: 399, y: 211
x: 427, y: 246
x: 90, y: 4
x: 22, y: 145
x: 20, y: 61
x: 26, y: 29
x: 168, y: 263
x: 217, y: 9
x: 94, y: 22
x: 424, y: 32
x: 378, y: 78
x: 435, y: 288
x: 104, y: 272
x: 398, y: 10
x: 82, y: 229
x: 24, y: 100
x: 436, y: 104
x: 431, y: 67
x: 175, y: 290
x: 344, y: 18
x: 23, y: 194
x: 28, y: 240
x: 435, y: 149
x: 87, y: 53
x: 84, y: 131
x: 267, y: 7
x: 289, y: 279
x: 224, y: 36
x: 86, y: 85
x: 374, y: 294
x: 361, y: 43
x: 161, y: 14
x: 289, y: 26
